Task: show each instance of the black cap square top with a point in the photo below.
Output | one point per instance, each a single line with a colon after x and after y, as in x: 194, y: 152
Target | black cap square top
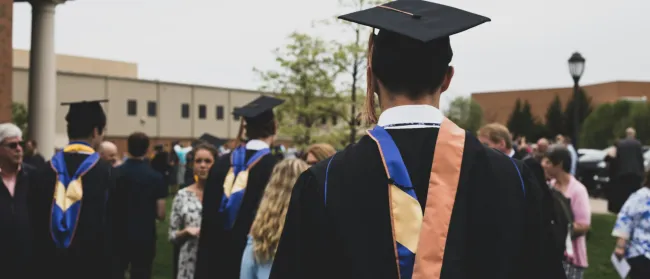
x: 417, y: 19
x: 215, y: 141
x: 258, y: 106
x: 85, y: 111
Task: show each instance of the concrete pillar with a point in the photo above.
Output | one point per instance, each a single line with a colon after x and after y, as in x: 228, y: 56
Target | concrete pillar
x: 6, y: 57
x: 42, y: 76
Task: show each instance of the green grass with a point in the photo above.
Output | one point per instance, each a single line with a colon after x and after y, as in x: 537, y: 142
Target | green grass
x: 599, y: 248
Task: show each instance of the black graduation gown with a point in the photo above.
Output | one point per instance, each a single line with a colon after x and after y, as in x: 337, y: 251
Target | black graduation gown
x: 90, y: 254
x: 495, y: 231
x: 220, y: 250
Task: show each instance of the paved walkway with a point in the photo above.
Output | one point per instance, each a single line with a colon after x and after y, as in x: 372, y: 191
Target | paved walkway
x: 598, y: 206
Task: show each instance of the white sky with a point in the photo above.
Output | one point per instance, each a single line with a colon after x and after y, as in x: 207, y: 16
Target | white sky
x: 217, y: 42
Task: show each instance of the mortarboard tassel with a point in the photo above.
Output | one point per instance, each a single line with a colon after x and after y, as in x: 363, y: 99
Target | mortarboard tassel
x: 369, y: 115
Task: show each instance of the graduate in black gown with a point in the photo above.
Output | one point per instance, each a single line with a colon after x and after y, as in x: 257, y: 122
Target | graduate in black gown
x: 71, y: 202
x: 450, y: 207
x: 233, y: 192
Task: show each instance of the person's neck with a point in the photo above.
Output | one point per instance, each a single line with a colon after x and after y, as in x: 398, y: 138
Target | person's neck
x: 396, y: 100
x: 563, y: 179
x: 200, y: 184
x: 84, y: 140
x: 8, y: 167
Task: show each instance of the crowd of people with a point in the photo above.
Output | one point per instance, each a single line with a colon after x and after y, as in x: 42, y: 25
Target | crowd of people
x: 417, y: 197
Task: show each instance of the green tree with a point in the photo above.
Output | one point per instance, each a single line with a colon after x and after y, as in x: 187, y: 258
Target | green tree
x: 608, y: 122
x: 466, y: 113
x: 585, y: 108
x: 555, y: 121
x: 515, y: 120
x: 19, y: 117
x: 308, y: 69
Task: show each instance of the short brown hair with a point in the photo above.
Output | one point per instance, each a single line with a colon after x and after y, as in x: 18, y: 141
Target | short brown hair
x: 321, y: 151
x: 496, y: 132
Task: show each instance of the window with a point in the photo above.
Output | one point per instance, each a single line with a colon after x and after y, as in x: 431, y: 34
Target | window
x: 202, y: 111
x: 236, y: 117
x: 185, y: 110
x: 131, y: 107
x: 151, y: 108
x: 335, y: 120
x: 323, y: 120
x: 219, y: 112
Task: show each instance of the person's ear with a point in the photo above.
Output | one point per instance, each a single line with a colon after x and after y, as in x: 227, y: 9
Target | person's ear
x: 447, y: 79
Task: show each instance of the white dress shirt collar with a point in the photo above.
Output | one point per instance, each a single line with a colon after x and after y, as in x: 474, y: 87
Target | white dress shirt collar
x: 512, y: 152
x: 410, y: 117
x: 256, y: 145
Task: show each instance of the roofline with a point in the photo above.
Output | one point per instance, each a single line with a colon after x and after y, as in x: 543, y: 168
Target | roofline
x: 154, y: 81
x: 560, y: 88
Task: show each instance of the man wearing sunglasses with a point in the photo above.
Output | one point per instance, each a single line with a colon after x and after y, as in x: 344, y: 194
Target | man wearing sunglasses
x: 15, y: 244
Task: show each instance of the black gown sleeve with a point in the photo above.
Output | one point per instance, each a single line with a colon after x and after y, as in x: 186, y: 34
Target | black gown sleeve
x: 305, y: 250
x: 211, y: 221
x: 540, y: 257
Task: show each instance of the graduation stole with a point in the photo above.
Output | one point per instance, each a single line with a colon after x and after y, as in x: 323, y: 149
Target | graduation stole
x: 68, y: 193
x: 420, y: 238
x: 234, y: 186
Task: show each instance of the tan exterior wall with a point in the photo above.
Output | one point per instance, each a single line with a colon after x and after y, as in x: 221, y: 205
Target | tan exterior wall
x: 82, y: 65
x: 167, y: 124
x: 6, y: 23
x: 497, y: 106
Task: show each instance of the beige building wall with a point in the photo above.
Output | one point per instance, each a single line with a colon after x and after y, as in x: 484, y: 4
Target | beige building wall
x: 167, y: 99
x: 82, y: 65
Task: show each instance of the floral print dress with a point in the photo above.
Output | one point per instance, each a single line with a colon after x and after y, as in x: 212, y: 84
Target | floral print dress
x: 186, y: 212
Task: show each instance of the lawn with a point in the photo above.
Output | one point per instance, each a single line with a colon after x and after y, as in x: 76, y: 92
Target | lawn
x: 600, y: 247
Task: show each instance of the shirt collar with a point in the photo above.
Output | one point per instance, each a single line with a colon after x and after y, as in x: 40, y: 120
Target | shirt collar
x: 256, y: 145
x: 512, y: 152
x: 410, y: 114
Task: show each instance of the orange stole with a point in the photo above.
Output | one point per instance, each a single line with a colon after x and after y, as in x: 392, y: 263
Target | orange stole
x: 441, y: 196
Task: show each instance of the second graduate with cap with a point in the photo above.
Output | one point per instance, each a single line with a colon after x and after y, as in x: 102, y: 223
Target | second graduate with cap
x: 70, y: 213
x: 418, y: 197
x: 233, y: 191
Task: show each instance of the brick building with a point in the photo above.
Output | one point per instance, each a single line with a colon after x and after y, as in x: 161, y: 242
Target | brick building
x: 497, y: 106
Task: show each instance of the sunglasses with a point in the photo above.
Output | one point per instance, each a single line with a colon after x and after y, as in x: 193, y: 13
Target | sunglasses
x: 14, y: 145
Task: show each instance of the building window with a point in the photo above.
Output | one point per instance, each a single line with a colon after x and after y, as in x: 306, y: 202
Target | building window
x: 151, y: 108
x: 202, y: 111
x: 131, y: 107
x: 236, y: 116
x: 185, y: 110
x: 219, y: 112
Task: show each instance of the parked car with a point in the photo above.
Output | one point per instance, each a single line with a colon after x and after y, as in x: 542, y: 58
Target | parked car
x: 593, y: 170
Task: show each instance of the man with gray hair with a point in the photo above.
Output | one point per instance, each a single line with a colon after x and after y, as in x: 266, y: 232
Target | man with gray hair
x: 15, y: 237
x: 627, y: 166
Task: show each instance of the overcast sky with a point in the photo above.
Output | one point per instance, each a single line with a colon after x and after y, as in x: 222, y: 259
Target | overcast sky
x: 218, y: 42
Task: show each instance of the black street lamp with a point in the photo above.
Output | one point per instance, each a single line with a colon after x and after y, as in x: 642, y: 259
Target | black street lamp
x: 576, y: 68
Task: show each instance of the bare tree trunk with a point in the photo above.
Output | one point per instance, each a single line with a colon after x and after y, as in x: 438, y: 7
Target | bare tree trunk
x: 355, y: 72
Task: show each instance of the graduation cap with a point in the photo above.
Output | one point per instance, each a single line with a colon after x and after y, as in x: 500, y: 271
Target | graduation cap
x: 208, y: 138
x: 258, y: 108
x: 412, y: 32
x: 417, y: 19
x: 85, y: 113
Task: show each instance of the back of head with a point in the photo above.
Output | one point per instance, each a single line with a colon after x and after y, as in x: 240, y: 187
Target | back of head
x: 321, y: 151
x: 269, y: 221
x: 496, y: 133
x: 261, y: 126
x: 630, y: 132
x: 138, y: 144
x: 83, y: 118
x: 559, y: 154
x: 409, y: 66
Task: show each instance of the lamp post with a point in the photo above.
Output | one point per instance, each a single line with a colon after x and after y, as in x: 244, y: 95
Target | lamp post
x: 576, y: 68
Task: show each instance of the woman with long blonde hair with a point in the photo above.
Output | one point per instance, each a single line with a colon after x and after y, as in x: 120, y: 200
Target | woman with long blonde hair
x: 269, y: 221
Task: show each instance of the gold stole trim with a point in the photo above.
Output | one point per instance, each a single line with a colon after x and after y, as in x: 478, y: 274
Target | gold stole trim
x: 443, y: 185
